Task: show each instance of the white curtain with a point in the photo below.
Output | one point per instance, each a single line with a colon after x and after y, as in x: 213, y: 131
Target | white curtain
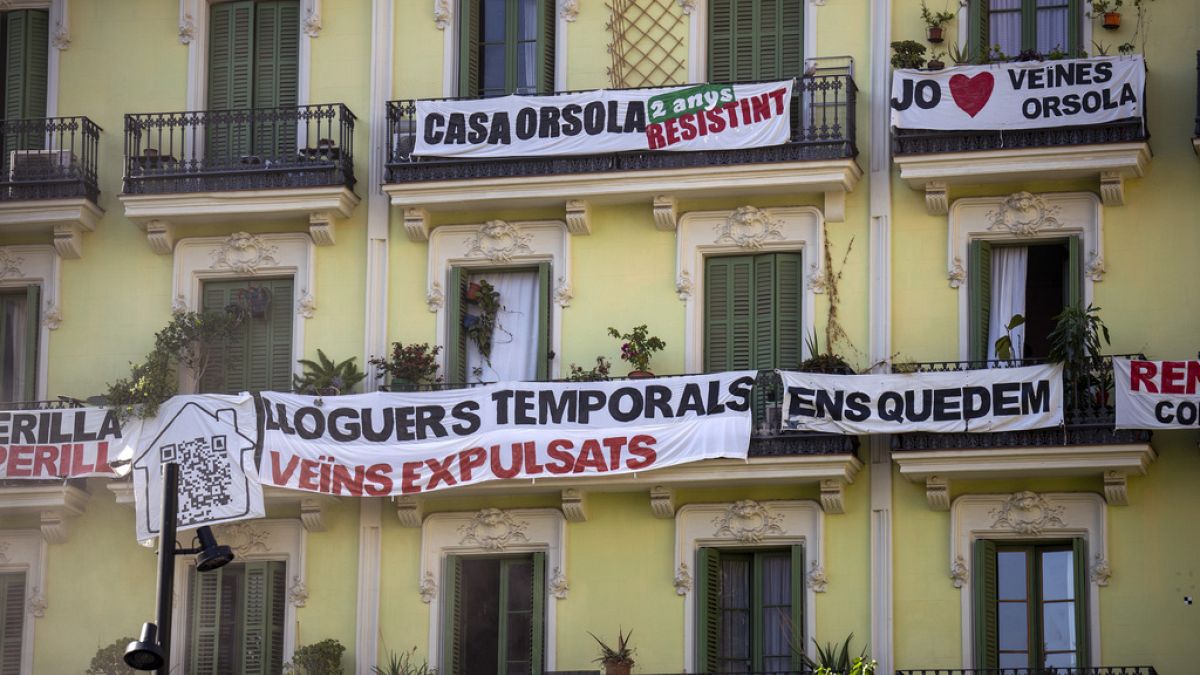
x: 527, y: 51
x: 515, y: 339
x: 1004, y: 26
x: 1009, y: 270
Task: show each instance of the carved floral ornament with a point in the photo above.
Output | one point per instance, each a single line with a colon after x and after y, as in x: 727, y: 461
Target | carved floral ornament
x: 748, y: 227
x: 748, y: 522
x: 1024, y: 214
x: 1027, y: 513
x: 493, y: 530
x: 10, y: 265
x: 244, y: 538
x: 498, y: 241
x: 244, y: 253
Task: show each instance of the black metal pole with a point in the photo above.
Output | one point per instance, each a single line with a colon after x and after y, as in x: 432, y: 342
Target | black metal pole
x: 166, y: 560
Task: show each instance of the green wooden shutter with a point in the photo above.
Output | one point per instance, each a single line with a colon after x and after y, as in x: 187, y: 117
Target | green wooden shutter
x: 456, y: 338
x: 12, y: 614
x: 468, y: 48
x: 259, y: 356
x: 708, y: 610
x: 729, y: 313
x: 276, y: 76
x: 791, y: 39
x: 206, y: 622
x: 544, y: 308
x: 452, y: 616
x: 32, y: 328
x: 764, y: 311
x: 979, y: 38
x: 230, y: 79
x: 799, y: 641
x: 26, y: 34
x: 545, y: 46
x: 779, y: 51
x: 720, y: 40
x: 1074, y: 21
x: 1082, y: 634
x: 261, y: 639
x: 745, y: 40
x: 979, y: 285
x: 788, y: 331
x: 537, y: 621
x: 1074, y: 285
x: 985, y: 587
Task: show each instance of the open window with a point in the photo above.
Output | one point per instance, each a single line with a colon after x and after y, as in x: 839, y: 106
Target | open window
x: 507, y: 47
x: 19, y: 330
x: 237, y: 619
x: 1015, y: 26
x: 520, y: 327
x: 258, y: 357
x: 494, y: 614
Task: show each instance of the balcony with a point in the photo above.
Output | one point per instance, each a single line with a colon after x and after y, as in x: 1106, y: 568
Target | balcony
x: 819, y: 157
x: 219, y: 166
x: 1094, y: 670
x: 1086, y: 444
x: 48, y: 179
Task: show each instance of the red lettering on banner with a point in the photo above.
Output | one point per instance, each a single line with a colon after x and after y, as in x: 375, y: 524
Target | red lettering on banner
x: 1193, y: 377
x: 379, y: 483
x: 440, y: 472
x: 72, y: 460
x: 342, y: 479
x: 672, y: 125
x: 18, y: 461
x: 408, y: 478
x: 102, y: 457
x: 614, y: 446
x: 590, y: 457
x: 469, y: 460
x: 1142, y: 375
x: 43, y: 461
x: 4, y: 455
x: 640, y: 446
x: 1172, y: 377
x: 514, y: 469
x: 654, y: 136
x: 282, y: 478
x: 309, y: 474
x: 531, y: 464
x: 564, y: 461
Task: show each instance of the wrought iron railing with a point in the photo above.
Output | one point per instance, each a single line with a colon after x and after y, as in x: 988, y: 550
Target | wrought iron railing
x: 49, y: 158
x: 251, y: 149
x: 1089, y: 412
x: 766, y: 438
x: 1044, y: 670
x: 62, y: 403
x: 924, y: 141
x: 822, y: 127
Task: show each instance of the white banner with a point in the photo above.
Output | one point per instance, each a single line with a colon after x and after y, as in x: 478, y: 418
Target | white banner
x: 693, y: 117
x: 975, y: 401
x: 408, y: 443
x: 1157, y: 394
x: 1025, y: 95
x: 66, y: 443
x: 212, y: 439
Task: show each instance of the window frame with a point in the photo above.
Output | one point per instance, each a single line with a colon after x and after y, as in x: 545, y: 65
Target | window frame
x: 970, y: 14
x: 456, y: 340
x: 537, y: 560
x: 697, y: 11
x: 27, y: 553
x: 446, y: 18
x: 59, y: 40
x: 286, y: 380
x: 30, y: 265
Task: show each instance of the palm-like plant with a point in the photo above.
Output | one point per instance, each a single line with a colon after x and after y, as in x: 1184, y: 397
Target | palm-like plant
x: 325, y: 377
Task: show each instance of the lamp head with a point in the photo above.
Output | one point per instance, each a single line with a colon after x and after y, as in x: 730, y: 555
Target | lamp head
x: 144, y: 653
x: 212, y: 555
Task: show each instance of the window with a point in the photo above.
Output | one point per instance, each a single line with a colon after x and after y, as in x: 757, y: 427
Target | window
x: 520, y: 347
x: 26, y: 47
x: 237, y: 619
x: 1020, y: 25
x: 12, y: 621
x: 253, y: 62
x: 259, y: 356
x: 1036, y: 280
x: 19, y: 344
x: 1031, y: 608
x: 750, y: 610
x: 507, y: 47
x: 751, y: 40
x: 494, y: 616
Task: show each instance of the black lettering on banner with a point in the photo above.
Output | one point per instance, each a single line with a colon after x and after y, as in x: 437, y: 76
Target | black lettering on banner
x: 614, y: 127
x: 1005, y: 399
x: 501, y: 398
x: 501, y: 130
x: 593, y: 118
x: 658, y: 401
x: 635, y: 118
x: 946, y: 404
x: 715, y: 407
x: 526, y: 123
x: 857, y: 406
x: 635, y: 409
x: 1103, y: 72
x: 548, y: 122
x: 891, y: 407
x: 369, y: 431
x: 740, y: 389
x: 1162, y: 412
x: 467, y: 414
x: 456, y: 129
x: 478, y: 123
x: 830, y: 406
x: 433, y: 124
x: 691, y: 401
x: 523, y: 408
x: 347, y: 433
x: 552, y: 408
x: 1035, y: 397
x: 318, y: 427
x: 802, y: 402
x: 590, y: 401
x: 910, y: 400
x: 571, y: 124
x: 977, y: 403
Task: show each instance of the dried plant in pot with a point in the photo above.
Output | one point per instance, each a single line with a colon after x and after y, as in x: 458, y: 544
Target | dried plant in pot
x: 616, y: 660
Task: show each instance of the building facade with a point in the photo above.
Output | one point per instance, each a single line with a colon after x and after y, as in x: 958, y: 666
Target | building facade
x: 167, y: 156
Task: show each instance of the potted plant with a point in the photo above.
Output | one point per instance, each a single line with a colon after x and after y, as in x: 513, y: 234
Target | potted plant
x: 908, y: 54
x: 481, y: 326
x: 636, y: 348
x: 1076, y: 342
x: 599, y: 373
x: 935, y: 22
x: 616, y: 661
x: 321, y: 658
x: 110, y: 659
x: 829, y: 362
x: 959, y: 54
x: 935, y: 60
x: 325, y: 377
x: 404, y: 663
x: 835, y: 659
x: 1110, y: 10
x: 1057, y: 54
x: 409, y: 365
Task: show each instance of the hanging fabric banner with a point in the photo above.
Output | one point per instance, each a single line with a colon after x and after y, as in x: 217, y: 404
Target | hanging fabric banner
x: 63, y: 443
x: 975, y: 401
x: 212, y: 439
x: 693, y: 117
x: 1157, y: 394
x: 1020, y: 95
x: 407, y: 443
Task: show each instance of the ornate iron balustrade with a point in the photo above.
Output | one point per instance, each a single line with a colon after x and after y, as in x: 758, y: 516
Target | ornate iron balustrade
x: 49, y: 158
x: 1045, y: 670
x: 822, y: 128
x: 62, y: 403
x: 766, y: 438
x: 1089, y: 412
x: 924, y: 141
x: 250, y: 149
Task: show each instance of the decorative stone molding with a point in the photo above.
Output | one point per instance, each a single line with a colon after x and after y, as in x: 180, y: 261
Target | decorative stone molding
x: 416, y: 224
x: 10, y: 264
x: 35, y: 604
x: 1096, y: 267
x: 709, y: 233
x: 570, y: 10
x: 817, y: 581
x: 818, y: 279
x: 498, y: 241
x: 683, y: 580
x: 297, y: 593
x: 409, y: 510
x: 306, y: 306
x: 1100, y: 571
x: 937, y: 198
x: 179, y: 305
x: 688, y: 6
x: 574, y: 505
x: 244, y: 538
x: 244, y: 253
x: 578, y: 216
x: 833, y: 496
x: 61, y: 221
x: 51, y: 316
x: 30, y: 265
x: 937, y: 493
x: 25, y: 551
x: 835, y: 206
x: 320, y: 228
x: 1112, y: 188
x: 563, y: 295
x: 441, y: 14
x: 683, y: 285
x: 544, y: 530
x: 1021, y: 517
x: 312, y: 513
x: 55, y: 527
x: 1018, y: 218
x: 767, y: 523
x: 161, y: 236
x: 666, y: 213
x: 427, y: 588
x: 434, y: 297
x: 662, y: 502
x: 312, y: 19
x: 1115, y: 491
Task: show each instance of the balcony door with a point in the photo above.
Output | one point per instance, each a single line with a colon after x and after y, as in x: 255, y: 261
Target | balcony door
x: 1014, y: 26
x: 26, y: 46
x: 253, y: 63
x: 751, y: 40
x: 507, y: 47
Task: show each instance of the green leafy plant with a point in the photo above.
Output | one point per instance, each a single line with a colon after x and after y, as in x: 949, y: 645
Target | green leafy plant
x: 638, y: 346
x: 325, y: 377
x: 834, y: 658
x: 1077, y: 340
x: 935, y: 19
x: 1105, y: 6
x: 827, y: 362
x: 110, y: 659
x: 859, y: 666
x: 480, y: 328
x: 908, y: 54
x: 1057, y: 54
x: 320, y: 658
x: 410, y: 363
x: 621, y: 655
x: 599, y: 373
x: 1004, y: 343
x: 959, y: 54
x: 997, y: 55
x: 1101, y: 48
x: 935, y: 60
x: 403, y: 663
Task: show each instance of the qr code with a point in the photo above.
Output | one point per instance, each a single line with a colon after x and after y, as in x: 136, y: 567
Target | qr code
x: 204, y: 477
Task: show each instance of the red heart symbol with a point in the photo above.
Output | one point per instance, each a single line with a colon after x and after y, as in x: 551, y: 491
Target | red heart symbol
x: 972, y: 93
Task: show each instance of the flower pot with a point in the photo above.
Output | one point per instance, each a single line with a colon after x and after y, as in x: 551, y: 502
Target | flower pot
x: 639, y: 375
x: 935, y: 34
x: 935, y: 65
x: 617, y: 668
x: 1112, y: 20
x: 473, y: 290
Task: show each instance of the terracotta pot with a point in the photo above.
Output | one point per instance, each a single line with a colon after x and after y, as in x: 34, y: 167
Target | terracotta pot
x: 639, y: 375
x: 935, y: 34
x: 1112, y: 20
x: 617, y: 668
x: 935, y: 65
x: 473, y: 290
